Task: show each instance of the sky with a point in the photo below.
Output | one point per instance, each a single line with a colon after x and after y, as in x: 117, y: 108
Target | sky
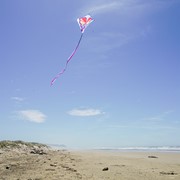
x: 122, y: 87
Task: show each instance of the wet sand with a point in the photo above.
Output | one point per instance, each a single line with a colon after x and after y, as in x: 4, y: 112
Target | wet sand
x: 90, y: 165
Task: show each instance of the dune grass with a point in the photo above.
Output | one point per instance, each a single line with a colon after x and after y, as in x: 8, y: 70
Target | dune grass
x: 18, y: 144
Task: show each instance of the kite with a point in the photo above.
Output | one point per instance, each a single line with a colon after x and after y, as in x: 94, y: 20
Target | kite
x: 83, y: 23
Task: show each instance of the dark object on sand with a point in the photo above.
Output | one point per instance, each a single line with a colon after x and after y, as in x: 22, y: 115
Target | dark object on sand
x: 152, y: 157
x: 105, y: 169
x: 7, y: 167
x: 168, y: 173
x: 38, y: 151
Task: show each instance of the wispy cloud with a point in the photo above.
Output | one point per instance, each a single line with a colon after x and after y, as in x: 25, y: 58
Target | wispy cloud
x: 150, y: 126
x: 107, y: 41
x: 126, y: 22
x: 133, y: 7
x: 17, y: 99
x: 85, y: 112
x: 159, y: 117
x: 102, y: 7
x: 32, y: 115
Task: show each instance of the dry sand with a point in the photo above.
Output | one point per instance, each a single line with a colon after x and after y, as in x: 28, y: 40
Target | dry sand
x: 129, y: 165
x: 97, y: 165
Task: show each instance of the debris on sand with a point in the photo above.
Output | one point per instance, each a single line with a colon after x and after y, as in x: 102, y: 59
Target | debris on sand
x: 152, y: 157
x: 105, y: 169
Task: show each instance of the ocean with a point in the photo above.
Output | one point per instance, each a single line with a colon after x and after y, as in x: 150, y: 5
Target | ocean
x: 143, y: 149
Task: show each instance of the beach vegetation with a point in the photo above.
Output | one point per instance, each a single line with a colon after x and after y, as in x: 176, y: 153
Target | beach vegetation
x: 18, y: 144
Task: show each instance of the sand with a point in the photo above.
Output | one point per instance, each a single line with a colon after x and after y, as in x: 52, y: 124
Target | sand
x: 90, y: 165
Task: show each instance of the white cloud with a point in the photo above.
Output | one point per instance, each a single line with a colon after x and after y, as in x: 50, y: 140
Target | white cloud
x: 125, y: 6
x: 85, y: 112
x: 18, y: 99
x: 107, y: 41
x: 32, y: 115
x: 159, y: 117
x: 102, y: 8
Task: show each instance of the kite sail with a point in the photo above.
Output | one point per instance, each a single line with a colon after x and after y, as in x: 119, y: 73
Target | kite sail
x: 83, y: 23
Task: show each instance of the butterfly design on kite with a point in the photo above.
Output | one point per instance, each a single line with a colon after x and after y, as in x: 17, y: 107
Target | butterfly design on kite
x: 83, y: 23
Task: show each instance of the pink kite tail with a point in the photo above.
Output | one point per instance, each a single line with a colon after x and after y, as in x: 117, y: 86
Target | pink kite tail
x: 70, y: 57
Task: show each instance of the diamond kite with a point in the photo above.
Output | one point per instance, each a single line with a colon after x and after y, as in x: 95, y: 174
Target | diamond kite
x: 83, y: 23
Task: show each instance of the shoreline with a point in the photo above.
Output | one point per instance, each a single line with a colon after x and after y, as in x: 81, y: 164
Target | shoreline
x: 121, y: 150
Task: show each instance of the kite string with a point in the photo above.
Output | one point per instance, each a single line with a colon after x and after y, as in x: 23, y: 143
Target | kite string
x: 68, y: 60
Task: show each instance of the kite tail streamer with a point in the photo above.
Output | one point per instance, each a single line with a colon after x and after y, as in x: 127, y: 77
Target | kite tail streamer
x: 70, y: 57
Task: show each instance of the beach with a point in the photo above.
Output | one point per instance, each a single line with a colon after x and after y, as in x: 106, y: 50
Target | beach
x: 129, y: 165
x: 92, y: 165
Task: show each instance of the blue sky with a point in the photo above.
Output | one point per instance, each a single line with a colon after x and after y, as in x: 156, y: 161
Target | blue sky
x: 122, y: 87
